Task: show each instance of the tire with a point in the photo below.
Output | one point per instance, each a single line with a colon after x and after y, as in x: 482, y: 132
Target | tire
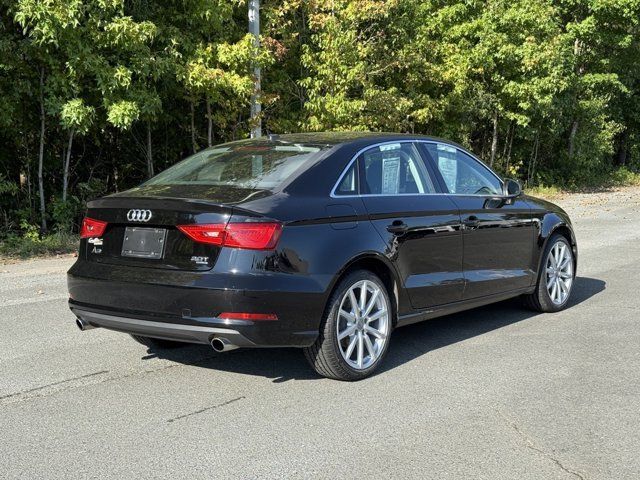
x: 541, y: 299
x: 343, y: 359
x: 157, y: 343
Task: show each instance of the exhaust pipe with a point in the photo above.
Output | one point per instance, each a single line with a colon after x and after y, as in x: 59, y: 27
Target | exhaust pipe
x: 82, y: 325
x: 221, y: 344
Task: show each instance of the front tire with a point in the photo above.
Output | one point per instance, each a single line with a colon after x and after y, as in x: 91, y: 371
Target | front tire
x: 556, y: 277
x: 354, y: 335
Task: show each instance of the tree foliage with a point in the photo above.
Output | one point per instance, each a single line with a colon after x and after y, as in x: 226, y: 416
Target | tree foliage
x: 96, y: 95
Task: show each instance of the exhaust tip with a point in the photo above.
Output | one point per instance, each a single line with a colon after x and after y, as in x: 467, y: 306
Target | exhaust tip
x: 82, y: 325
x: 221, y: 344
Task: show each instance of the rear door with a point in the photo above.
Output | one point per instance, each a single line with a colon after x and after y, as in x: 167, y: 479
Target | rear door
x: 498, y: 235
x: 420, y: 225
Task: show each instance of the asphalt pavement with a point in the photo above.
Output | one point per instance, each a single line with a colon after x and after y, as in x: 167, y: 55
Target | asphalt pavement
x: 497, y: 392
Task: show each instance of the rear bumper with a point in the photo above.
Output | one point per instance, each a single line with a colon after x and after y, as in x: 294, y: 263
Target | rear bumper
x: 165, y: 330
x: 184, y: 306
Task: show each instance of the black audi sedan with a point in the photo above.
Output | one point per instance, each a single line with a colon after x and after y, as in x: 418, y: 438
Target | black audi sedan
x: 324, y: 241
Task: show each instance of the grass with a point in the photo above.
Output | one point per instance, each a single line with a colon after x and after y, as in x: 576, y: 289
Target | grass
x: 621, y: 177
x: 16, y: 246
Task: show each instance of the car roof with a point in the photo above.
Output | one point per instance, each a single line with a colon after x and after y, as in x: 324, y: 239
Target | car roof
x: 338, y: 138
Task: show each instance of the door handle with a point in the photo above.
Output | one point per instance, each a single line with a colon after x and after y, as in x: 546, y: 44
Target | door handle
x: 471, y: 221
x: 398, y: 227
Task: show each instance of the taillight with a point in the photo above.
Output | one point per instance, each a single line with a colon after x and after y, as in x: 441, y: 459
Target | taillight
x: 212, y: 234
x: 92, y: 228
x: 250, y: 235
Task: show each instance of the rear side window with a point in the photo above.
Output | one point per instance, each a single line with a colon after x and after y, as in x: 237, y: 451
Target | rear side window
x: 260, y: 166
x: 349, y: 183
x: 394, y: 169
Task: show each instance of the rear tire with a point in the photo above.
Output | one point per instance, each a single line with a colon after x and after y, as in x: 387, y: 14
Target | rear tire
x: 157, y: 343
x: 555, y: 279
x: 354, y: 335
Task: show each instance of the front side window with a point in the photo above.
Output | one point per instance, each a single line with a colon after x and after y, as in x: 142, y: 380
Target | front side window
x: 247, y: 165
x: 394, y: 169
x: 462, y: 174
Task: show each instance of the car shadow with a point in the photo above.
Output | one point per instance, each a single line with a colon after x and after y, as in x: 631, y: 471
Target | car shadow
x: 408, y: 343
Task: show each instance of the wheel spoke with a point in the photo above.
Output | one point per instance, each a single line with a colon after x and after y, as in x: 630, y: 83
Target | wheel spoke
x: 367, y: 342
x: 363, y: 296
x: 565, y: 275
x: 550, y: 282
x: 374, y: 332
x: 558, y: 291
x: 554, y: 287
x: 352, y: 345
x: 360, y: 349
x: 354, y: 302
x: 377, y: 315
x: 347, y: 331
x: 563, y: 286
x: 348, y: 315
x: 372, y: 302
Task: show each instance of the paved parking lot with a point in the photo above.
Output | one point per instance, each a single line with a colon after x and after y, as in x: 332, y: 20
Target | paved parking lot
x: 497, y: 392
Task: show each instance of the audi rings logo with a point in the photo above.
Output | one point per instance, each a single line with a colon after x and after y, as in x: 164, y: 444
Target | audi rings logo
x: 135, y: 215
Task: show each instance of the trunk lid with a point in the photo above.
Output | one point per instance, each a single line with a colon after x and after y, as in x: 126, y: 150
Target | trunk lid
x: 151, y: 238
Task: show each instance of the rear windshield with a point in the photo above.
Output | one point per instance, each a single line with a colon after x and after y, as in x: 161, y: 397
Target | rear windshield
x: 258, y: 166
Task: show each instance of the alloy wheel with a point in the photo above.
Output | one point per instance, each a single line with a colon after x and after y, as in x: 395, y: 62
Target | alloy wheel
x: 559, y: 272
x: 363, y: 323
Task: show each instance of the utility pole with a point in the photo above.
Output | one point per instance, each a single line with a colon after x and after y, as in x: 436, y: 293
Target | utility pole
x: 254, y: 29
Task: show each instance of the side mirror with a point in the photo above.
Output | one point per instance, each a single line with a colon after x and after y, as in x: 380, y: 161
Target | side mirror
x: 511, y: 188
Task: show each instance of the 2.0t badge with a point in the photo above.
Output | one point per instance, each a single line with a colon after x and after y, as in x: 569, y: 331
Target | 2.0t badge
x: 137, y: 215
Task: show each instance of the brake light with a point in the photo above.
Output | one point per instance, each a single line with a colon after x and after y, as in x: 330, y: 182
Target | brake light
x: 92, y: 228
x: 250, y: 235
x: 247, y: 316
x: 212, y: 234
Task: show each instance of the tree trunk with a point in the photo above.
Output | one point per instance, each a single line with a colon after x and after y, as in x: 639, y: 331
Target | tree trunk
x: 513, y: 132
x: 534, y: 158
x: 494, y: 140
x: 572, y: 137
x: 43, y: 213
x: 194, y: 144
x: 209, y: 124
x: 621, y: 155
x: 149, y: 152
x: 67, y: 161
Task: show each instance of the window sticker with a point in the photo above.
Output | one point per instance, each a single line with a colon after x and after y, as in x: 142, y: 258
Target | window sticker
x: 448, y: 166
x: 390, y: 175
x: 391, y: 146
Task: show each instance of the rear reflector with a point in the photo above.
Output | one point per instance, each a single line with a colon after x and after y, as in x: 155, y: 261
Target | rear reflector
x: 247, y: 316
x: 92, y: 228
x: 250, y: 235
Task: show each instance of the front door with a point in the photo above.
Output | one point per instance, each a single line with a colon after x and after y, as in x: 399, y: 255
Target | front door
x: 497, y: 235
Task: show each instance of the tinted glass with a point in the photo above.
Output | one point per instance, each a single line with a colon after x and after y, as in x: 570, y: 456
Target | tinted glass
x: 394, y: 169
x: 256, y: 166
x: 348, y: 185
x: 463, y: 174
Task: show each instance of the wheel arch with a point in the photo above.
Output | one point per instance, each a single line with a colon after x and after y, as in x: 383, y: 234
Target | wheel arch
x: 380, y: 266
x: 562, y: 227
